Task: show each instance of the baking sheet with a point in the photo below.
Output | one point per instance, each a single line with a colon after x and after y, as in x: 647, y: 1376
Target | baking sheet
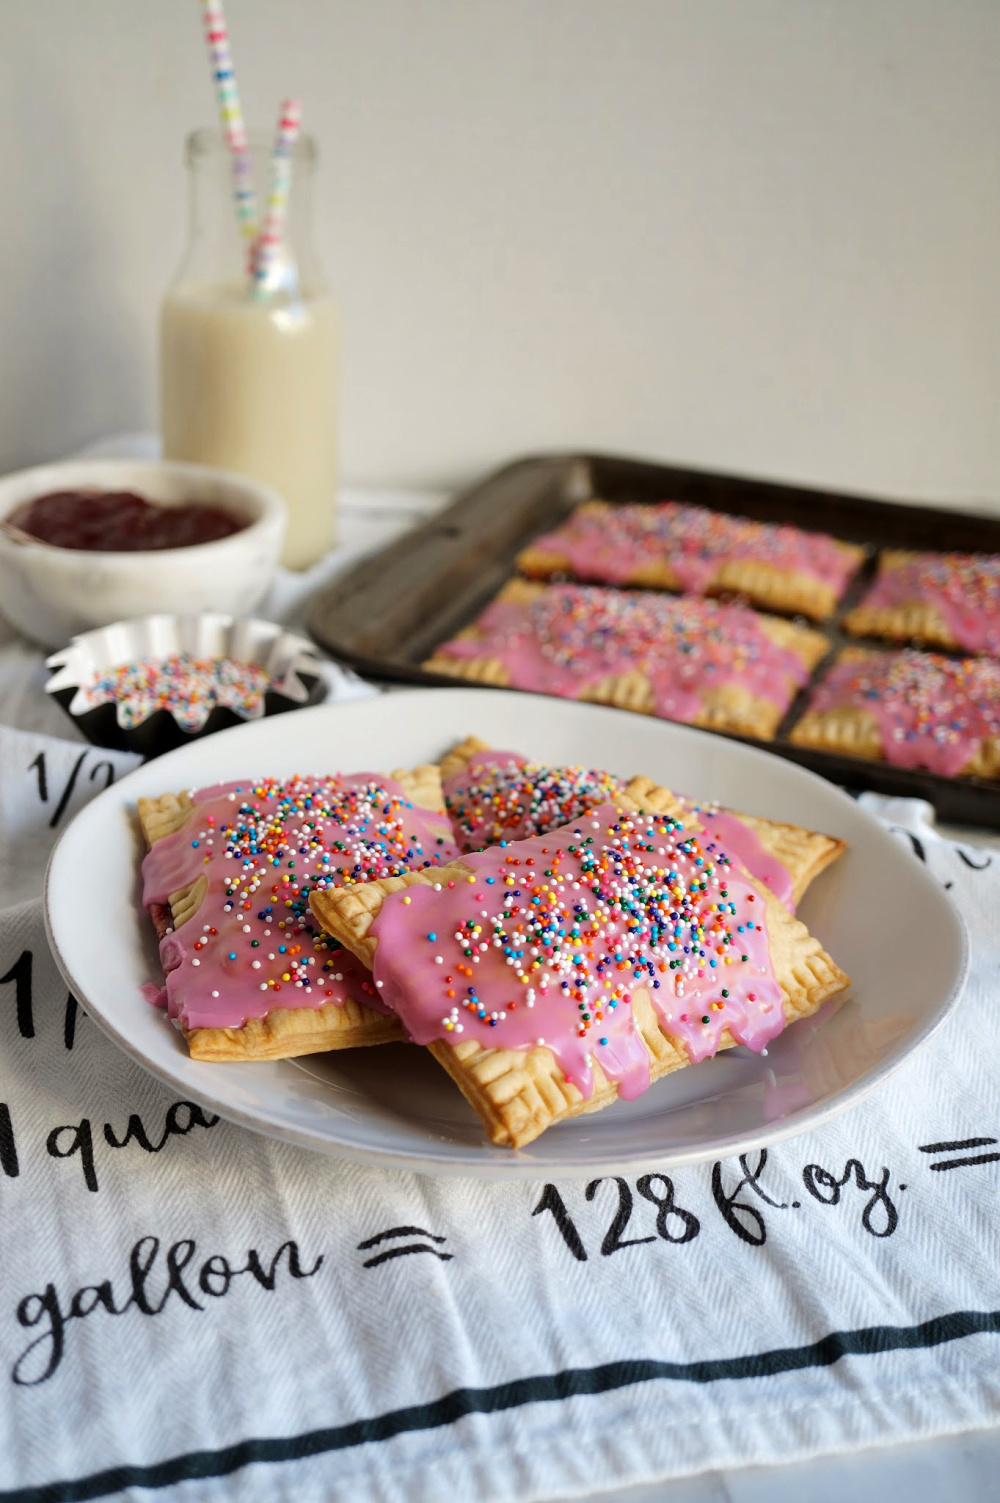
x: 388, y: 614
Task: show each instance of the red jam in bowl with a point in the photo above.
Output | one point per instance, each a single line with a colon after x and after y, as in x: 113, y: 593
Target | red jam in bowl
x: 121, y: 522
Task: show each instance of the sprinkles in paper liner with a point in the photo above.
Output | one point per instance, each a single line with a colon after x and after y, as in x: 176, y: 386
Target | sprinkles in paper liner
x: 158, y: 682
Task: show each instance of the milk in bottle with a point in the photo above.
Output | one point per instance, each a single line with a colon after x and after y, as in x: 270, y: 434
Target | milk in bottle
x: 248, y: 377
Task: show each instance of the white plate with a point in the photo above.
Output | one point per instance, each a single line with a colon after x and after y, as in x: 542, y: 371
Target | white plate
x: 878, y: 911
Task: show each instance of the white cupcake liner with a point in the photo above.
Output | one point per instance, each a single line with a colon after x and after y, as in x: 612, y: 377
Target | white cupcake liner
x: 290, y: 662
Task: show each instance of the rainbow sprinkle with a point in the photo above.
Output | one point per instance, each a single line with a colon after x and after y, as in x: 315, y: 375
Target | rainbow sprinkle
x: 501, y: 796
x: 962, y: 588
x: 189, y: 688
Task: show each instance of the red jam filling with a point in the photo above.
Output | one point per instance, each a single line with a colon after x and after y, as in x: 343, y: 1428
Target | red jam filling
x: 121, y: 522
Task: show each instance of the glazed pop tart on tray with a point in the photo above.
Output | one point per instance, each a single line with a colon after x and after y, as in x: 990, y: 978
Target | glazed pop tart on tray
x: 936, y: 599
x: 673, y: 546
x: 914, y: 709
x: 555, y: 974
x: 682, y: 658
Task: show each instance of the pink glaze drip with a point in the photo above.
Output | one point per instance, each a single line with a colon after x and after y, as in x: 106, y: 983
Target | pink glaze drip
x: 740, y: 841
x: 932, y: 711
x: 253, y: 946
x: 964, y: 589
x: 156, y: 996
x: 615, y: 544
x: 575, y: 636
x: 501, y: 796
x: 495, y: 958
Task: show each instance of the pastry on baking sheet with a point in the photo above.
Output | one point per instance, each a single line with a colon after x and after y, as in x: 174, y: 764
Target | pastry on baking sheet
x: 914, y: 709
x: 500, y: 795
x: 937, y: 599
x: 673, y: 546
x: 227, y: 878
x: 553, y: 975
x: 682, y: 658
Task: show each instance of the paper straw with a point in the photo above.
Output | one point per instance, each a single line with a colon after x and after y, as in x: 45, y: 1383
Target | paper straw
x: 270, y: 238
x: 231, y: 115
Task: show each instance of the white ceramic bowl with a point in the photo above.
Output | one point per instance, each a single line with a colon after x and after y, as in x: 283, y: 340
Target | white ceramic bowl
x: 51, y: 593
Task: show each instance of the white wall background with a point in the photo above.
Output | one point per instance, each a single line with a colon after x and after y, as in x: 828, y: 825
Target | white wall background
x: 758, y: 235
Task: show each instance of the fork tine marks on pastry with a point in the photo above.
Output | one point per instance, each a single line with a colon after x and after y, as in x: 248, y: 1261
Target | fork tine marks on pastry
x: 949, y: 600
x: 597, y: 893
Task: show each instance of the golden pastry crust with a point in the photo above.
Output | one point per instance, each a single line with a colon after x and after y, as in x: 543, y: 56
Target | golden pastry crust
x: 422, y: 785
x: 729, y: 707
x: 486, y: 670
x: 756, y: 580
x: 164, y: 815
x: 542, y: 563
x: 911, y: 621
x: 847, y: 729
x: 518, y: 1093
x: 457, y: 760
x: 283, y: 1033
x: 169, y: 812
x: 295, y: 1031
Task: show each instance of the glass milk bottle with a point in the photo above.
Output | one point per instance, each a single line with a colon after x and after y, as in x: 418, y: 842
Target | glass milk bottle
x: 248, y: 373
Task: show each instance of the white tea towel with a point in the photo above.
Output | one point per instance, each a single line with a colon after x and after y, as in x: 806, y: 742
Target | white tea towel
x: 185, y: 1305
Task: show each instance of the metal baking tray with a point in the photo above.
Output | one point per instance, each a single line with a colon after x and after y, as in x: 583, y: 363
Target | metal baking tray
x: 387, y: 614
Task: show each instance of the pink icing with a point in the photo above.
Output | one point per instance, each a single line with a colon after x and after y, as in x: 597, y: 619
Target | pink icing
x: 263, y: 846
x: 547, y: 938
x: 574, y: 636
x: 740, y: 841
x: 964, y: 589
x: 614, y: 544
x: 932, y: 711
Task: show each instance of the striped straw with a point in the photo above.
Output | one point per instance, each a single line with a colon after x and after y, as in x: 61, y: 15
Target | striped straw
x: 269, y: 240
x: 231, y: 115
